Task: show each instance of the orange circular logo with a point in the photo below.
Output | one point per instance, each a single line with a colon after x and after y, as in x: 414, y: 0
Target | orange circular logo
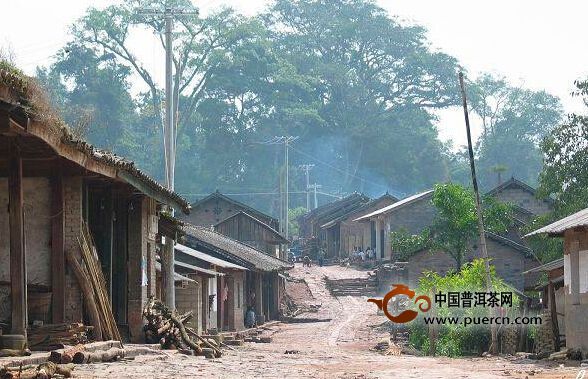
x: 407, y: 315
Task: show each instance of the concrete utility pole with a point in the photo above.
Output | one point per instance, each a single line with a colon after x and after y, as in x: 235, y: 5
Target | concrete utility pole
x: 307, y: 168
x: 494, y: 339
x: 286, y: 140
x: 315, y: 187
x: 169, y: 139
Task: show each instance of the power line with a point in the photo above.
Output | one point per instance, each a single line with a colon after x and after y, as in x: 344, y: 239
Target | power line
x: 337, y: 168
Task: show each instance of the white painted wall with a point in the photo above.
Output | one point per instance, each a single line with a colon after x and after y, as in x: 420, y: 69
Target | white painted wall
x: 583, y: 271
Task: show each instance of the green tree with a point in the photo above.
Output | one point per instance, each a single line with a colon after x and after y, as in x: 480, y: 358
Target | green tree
x: 454, y: 230
x: 565, y: 172
x: 514, y: 121
x: 377, y: 82
x: 293, y: 215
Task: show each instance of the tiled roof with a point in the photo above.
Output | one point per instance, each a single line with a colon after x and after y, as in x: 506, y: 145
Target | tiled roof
x: 15, y: 98
x: 233, y: 250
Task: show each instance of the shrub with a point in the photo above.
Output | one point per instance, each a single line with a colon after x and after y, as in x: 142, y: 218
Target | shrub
x: 458, y: 340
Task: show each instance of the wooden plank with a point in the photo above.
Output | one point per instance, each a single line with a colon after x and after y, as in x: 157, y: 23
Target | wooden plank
x: 17, y: 243
x: 57, y: 247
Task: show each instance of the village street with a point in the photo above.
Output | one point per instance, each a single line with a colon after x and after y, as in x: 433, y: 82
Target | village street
x: 339, y: 348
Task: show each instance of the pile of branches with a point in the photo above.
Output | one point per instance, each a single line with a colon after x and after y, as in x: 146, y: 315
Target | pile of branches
x: 43, y: 371
x: 167, y: 328
x: 56, y: 336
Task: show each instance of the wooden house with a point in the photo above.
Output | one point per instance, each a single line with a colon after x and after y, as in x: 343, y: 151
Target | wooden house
x: 217, y: 207
x: 574, y: 230
x: 51, y: 184
x: 343, y: 233
x: 245, y: 228
x: 553, y: 297
x: 254, y: 279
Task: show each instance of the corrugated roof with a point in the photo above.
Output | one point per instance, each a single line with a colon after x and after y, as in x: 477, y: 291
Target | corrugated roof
x: 177, y: 277
x: 58, y: 135
x: 233, y: 250
x: 197, y: 269
x: 205, y: 257
x: 397, y: 205
x: 558, y: 263
x: 557, y: 228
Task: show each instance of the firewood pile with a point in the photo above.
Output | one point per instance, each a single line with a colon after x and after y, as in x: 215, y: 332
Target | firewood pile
x: 56, y: 336
x: 168, y: 329
x: 43, y: 371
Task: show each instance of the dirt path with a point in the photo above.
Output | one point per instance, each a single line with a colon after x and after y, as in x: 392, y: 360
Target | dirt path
x: 338, y: 348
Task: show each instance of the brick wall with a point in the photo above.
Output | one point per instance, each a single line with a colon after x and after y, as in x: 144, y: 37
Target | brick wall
x: 509, y: 263
x: 413, y: 217
x: 523, y: 199
x: 139, y: 275
x: 72, y: 188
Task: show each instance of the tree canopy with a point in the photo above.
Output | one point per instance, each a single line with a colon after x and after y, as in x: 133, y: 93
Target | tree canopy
x: 359, y: 88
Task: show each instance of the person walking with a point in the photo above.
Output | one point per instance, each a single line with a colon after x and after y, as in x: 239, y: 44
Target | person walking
x: 321, y: 257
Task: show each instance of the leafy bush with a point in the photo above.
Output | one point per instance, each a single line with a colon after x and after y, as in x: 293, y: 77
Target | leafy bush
x: 458, y: 340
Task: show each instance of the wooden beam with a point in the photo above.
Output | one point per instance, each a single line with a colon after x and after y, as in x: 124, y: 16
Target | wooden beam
x: 57, y: 246
x: 553, y: 310
x: 18, y: 285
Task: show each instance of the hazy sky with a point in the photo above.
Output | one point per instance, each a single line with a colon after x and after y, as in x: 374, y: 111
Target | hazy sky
x: 540, y: 44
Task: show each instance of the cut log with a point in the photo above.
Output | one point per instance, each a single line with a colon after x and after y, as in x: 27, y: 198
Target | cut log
x: 109, y: 355
x: 65, y: 356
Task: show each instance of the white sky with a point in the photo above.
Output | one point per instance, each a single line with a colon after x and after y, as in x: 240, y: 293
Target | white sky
x: 540, y: 44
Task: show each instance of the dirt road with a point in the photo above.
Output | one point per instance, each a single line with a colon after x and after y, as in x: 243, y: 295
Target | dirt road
x: 339, y: 348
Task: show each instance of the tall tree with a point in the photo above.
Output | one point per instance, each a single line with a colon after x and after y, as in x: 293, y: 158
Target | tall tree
x: 565, y: 172
x: 375, y: 76
x: 514, y: 121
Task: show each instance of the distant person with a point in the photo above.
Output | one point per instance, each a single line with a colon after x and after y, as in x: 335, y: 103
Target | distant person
x: 370, y: 253
x: 250, y: 321
x: 361, y: 255
x: 321, y: 257
x: 306, y: 261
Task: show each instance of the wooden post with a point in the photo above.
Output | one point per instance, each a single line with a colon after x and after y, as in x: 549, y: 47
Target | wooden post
x: 433, y: 331
x: 258, y: 297
x: 18, y: 278
x: 482, y: 234
x: 57, y: 248
x: 553, y: 310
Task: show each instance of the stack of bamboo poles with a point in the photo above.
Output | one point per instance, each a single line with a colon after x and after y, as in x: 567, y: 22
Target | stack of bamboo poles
x: 93, y: 285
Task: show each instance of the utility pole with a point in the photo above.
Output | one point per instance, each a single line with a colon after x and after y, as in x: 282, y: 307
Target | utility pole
x: 286, y: 140
x: 315, y: 187
x: 307, y: 168
x: 169, y: 139
x: 494, y: 339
